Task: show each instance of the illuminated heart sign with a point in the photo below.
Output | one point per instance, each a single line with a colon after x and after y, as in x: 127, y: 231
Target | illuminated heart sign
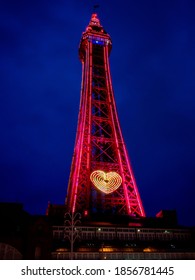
x: 106, y: 182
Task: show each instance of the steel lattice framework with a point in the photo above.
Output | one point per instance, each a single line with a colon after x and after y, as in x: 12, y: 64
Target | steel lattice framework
x: 100, y: 150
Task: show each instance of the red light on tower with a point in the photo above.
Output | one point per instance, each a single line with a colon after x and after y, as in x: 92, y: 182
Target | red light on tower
x: 101, y: 178
x: 85, y: 213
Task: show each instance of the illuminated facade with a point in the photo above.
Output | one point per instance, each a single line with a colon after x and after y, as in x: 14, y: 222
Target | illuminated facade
x: 111, y: 242
x: 101, y: 179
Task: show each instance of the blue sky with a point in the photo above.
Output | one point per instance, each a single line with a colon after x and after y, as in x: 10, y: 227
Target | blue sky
x: 152, y: 67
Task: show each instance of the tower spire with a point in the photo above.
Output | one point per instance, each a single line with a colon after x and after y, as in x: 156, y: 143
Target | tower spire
x: 95, y: 7
x: 94, y: 20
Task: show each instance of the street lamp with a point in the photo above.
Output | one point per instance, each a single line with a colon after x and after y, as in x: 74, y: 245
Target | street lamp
x: 70, y: 232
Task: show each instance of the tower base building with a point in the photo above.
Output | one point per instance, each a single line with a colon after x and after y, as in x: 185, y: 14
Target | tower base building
x: 116, y: 237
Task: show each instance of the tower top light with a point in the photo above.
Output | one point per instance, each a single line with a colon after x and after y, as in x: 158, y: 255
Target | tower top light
x: 95, y: 20
x: 95, y: 25
x: 94, y: 33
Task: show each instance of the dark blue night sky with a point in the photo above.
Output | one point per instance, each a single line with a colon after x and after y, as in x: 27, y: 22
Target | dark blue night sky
x: 153, y: 70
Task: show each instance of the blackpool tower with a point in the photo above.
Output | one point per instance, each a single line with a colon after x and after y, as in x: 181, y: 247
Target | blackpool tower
x: 101, y: 178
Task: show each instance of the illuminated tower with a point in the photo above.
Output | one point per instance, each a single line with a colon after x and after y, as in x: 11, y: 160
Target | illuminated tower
x: 101, y: 179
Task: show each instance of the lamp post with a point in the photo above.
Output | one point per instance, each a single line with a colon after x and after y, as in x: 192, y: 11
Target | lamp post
x: 70, y: 221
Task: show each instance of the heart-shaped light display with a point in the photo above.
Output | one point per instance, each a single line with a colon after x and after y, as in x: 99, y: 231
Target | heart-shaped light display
x: 106, y: 182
